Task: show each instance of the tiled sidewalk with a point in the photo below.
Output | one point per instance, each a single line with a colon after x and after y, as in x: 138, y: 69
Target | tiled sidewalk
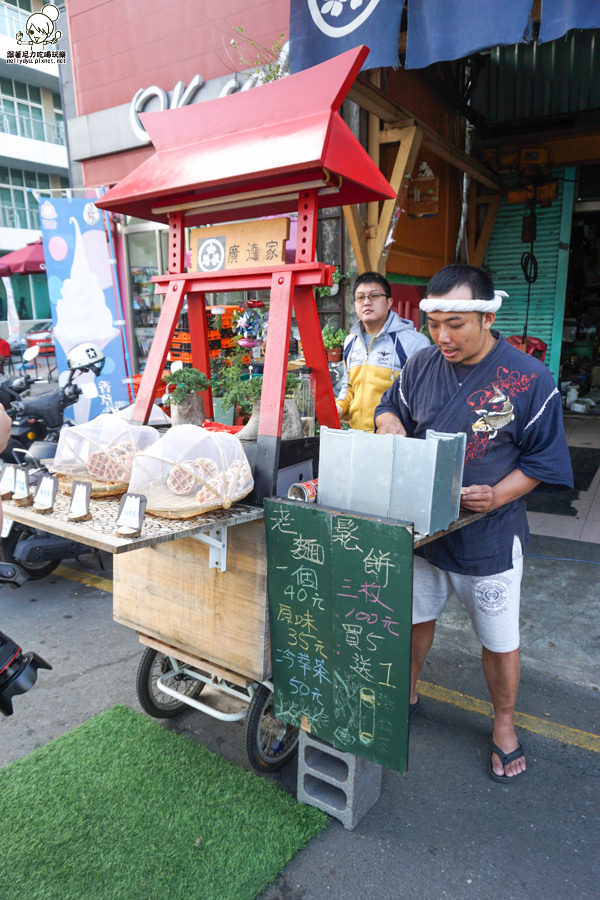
x: 582, y: 431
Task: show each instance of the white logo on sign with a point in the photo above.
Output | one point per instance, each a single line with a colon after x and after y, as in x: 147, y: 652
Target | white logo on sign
x: 211, y: 255
x: 334, y: 8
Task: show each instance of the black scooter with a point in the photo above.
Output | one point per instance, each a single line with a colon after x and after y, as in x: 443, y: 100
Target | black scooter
x: 37, y: 422
x: 12, y: 389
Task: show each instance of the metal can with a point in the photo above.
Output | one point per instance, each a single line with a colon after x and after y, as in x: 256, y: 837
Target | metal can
x: 304, y: 490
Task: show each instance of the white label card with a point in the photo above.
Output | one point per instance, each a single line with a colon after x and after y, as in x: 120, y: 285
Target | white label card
x: 21, y: 488
x: 80, y: 499
x: 7, y: 479
x: 131, y: 512
x: 46, y: 492
x: 7, y: 525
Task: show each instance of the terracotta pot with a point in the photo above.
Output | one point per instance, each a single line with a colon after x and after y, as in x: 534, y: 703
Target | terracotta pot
x: 334, y: 355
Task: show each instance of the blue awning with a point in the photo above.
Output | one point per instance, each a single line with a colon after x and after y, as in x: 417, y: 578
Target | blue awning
x: 440, y: 30
x: 437, y: 30
x: 560, y: 16
x: 322, y: 29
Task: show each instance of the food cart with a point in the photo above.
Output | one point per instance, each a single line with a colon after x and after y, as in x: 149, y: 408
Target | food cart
x: 195, y: 590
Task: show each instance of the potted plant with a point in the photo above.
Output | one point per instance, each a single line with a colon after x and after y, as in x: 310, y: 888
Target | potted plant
x: 229, y: 374
x: 333, y: 341
x: 246, y: 393
x: 186, y: 400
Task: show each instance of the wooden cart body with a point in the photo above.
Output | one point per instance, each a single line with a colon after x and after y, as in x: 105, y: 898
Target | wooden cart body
x: 208, y: 618
x: 195, y: 589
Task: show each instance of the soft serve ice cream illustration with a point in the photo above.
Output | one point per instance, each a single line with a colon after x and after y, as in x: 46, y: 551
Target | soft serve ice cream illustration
x: 82, y: 314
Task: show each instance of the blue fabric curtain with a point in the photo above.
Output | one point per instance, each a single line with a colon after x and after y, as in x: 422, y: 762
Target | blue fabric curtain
x: 451, y: 29
x: 321, y: 29
x: 560, y: 16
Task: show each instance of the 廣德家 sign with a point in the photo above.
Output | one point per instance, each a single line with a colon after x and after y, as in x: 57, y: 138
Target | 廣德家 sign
x: 239, y: 245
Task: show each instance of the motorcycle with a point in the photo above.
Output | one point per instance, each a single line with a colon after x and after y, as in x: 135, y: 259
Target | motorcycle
x: 18, y: 670
x: 39, y: 417
x: 12, y: 387
x: 36, y: 427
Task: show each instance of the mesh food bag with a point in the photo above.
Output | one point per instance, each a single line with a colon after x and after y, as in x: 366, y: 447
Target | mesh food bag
x: 190, y: 471
x: 102, y: 450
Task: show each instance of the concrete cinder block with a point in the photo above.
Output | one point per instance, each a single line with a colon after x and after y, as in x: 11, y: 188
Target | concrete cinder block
x: 339, y: 783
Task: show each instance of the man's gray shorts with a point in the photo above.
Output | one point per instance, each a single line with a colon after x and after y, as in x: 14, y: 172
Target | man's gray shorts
x: 492, y: 601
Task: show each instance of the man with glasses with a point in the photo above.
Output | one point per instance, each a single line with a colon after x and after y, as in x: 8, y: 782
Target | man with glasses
x: 510, y: 409
x: 375, y: 350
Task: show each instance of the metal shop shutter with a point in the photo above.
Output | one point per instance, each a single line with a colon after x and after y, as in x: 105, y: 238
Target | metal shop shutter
x: 503, y: 259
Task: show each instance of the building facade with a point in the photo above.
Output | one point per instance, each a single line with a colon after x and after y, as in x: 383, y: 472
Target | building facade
x: 33, y: 154
x: 454, y: 138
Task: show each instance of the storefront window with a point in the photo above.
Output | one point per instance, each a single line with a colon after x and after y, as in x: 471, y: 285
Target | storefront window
x: 145, y: 261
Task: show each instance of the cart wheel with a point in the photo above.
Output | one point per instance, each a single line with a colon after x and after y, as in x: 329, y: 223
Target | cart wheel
x: 155, y: 702
x: 270, y: 743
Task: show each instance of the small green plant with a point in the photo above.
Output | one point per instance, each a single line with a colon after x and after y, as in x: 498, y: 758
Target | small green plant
x: 337, y: 278
x: 188, y: 382
x: 333, y: 338
x: 245, y: 391
x: 269, y: 63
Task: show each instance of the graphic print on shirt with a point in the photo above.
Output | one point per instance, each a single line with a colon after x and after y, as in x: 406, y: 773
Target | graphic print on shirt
x: 384, y: 358
x: 494, y: 409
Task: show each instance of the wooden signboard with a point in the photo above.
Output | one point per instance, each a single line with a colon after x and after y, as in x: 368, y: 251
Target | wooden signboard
x: 340, y: 602
x: 239, y: 245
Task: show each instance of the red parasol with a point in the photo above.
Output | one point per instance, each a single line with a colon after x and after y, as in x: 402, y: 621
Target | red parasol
x: 28, y: 260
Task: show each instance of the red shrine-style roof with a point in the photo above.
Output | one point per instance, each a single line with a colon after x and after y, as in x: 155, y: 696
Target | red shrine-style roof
x: 248, y: 154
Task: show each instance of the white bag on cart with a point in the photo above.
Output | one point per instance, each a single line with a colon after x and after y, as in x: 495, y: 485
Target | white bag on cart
x: 190, y: 471
x: 102, y: 449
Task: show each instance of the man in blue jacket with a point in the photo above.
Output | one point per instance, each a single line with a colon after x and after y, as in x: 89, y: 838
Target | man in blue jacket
x: 508, y: 405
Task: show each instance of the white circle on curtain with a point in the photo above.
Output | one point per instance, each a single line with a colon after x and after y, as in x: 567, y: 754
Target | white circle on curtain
x: 335, y: 8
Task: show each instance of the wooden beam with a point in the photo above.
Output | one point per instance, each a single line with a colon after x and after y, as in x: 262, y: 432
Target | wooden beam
x: 376, y: 102
x: 356, y: 233
x: 459, y: 159
x: 478, y: 244
x: 373, y: 148
x: 410, y: 143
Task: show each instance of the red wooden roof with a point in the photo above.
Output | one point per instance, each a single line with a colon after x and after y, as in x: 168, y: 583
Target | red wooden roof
x: 245, y: 155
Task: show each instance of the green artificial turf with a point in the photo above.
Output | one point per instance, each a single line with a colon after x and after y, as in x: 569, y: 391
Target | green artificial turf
x: 120, y: 807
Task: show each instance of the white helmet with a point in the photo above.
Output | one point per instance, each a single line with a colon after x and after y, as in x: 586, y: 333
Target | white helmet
x: 86, y: 356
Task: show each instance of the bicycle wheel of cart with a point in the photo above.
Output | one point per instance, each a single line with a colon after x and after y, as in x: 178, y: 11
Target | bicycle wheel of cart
x: 270, y: 743
x: 153, y: 665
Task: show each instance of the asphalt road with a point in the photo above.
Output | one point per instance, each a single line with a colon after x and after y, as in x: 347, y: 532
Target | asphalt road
x: 443, y: 830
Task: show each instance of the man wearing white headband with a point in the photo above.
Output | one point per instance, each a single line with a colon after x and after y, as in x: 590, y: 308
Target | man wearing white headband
x: 510, y: 409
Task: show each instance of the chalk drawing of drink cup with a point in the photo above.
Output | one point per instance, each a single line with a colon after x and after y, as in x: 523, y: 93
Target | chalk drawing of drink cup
x: 366, y: 732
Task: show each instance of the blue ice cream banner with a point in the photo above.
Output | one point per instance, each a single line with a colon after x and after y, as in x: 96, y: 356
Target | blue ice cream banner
x: 82, y: 298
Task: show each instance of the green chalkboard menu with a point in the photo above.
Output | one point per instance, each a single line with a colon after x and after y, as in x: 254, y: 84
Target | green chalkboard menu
x: 340, y: 598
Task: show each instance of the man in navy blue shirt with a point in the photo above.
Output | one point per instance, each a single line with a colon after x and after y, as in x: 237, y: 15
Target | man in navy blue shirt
x: 508, y: 405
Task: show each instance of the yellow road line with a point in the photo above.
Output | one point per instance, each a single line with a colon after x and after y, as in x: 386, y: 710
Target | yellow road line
x: 546, y: 728
x: 553, y: 730
x: 97, y: 581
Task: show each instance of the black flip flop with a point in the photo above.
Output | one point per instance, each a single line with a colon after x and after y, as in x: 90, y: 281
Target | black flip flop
x: 412, y: 707
x: 505, y: 759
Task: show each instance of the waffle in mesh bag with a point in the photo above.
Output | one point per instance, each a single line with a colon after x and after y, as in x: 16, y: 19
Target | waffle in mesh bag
x: 102, y: 449
x: 190, y: 470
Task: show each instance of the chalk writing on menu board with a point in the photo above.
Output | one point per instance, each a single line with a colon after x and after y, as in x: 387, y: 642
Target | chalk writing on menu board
x: 340, y: 596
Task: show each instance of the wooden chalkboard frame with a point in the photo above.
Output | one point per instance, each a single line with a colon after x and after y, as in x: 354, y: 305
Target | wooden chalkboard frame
x: 340, y: 605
